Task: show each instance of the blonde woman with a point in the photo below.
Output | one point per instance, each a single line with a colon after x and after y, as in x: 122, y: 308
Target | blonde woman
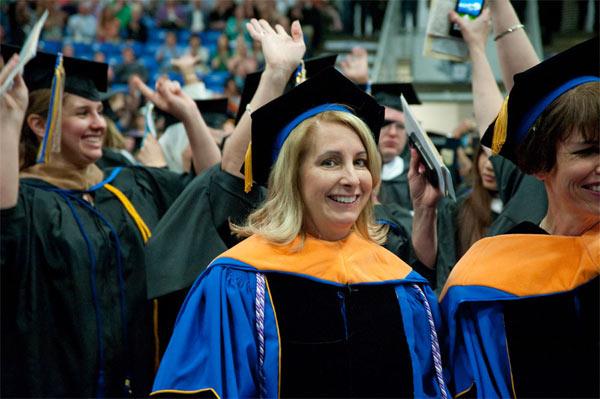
x: 309, y: 304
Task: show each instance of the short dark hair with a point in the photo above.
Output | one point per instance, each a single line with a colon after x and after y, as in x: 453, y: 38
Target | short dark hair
x: 577, y: 110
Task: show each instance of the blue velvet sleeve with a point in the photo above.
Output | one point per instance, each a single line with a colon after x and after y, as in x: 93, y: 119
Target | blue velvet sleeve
x: 418, y: 336
x: 213, y: 345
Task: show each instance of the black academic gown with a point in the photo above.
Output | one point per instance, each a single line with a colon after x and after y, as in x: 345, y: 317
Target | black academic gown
x: 396, y: 190
x: 62, y: 314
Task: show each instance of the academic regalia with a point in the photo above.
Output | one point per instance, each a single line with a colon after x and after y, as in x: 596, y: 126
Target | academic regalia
x: 333, y: 325
x: 211, y: 200
x: 522, y: 313
x: 75, y: 318
x: 311, y: 317
x: 523, y: 309
x: 49, y: 321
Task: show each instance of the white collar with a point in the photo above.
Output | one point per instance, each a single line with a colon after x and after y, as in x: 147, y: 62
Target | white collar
x: 392, y: 169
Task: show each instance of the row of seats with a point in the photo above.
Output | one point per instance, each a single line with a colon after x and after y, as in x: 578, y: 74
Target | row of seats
x: 146, y: 53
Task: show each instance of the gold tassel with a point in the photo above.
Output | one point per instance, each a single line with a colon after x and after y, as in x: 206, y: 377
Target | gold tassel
x: 248, y: 169
x: 500, y: 128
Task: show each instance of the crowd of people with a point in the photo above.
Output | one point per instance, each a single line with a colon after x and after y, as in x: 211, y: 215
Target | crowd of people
x: 288, y: 240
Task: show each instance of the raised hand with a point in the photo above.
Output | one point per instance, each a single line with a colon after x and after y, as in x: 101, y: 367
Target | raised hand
x: 13, y: 103
x: 422, y: 193
x: 281, y: 51
x: 356, y: 66
x: 474, y: 32
x: 169, y: 97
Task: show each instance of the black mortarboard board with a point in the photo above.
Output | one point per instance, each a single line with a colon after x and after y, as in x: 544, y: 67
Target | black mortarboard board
x: 214, y: 112
x: 83, y: 78
x: 388, y: 94
x: 327, y: 87
x: 312, y: 66
x: 535, y: 89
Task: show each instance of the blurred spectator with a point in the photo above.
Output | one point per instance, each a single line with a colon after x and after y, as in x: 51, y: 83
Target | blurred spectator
x: 196, y: 17
x: 168, y: 51
x: 218, y: 17
x: 81, y: 27
x: 19, y: 17
x: 129, y: 67
x: 136, y: 28
x: 68, y: 50
x: 99, y: 56
x: 267, y: 10
x: 236, y: 24
x: 122, y: 10
x: 258, y: 54
x: 55, y: 24
x: 233, y: 94
x: 312, y: 23
x: 331, y: 15
x: 250, y: 9
x: 171, y: 15
x: 199, y: 53
x: 221, y: 59
x: 242, y: 62
x: 108, y: 26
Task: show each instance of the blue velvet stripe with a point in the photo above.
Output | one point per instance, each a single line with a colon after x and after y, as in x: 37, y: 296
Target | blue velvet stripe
x: 285, y: 132
x: 416, y: 328
x: 213, y: 346
x: 546, y: 101
x: 271, y: 365
x: 476, y: 340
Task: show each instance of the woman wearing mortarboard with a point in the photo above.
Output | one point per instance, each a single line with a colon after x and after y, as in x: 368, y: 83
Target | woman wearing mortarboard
x: 75, y: 317
x: 309, y: 304
x: 523, y: 308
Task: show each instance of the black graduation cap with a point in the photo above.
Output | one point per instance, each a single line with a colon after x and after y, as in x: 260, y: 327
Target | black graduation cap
x: 83, y: 78
x: 388, y: 94
x: 329, y: 88
x: 312, y: 66
x: 214, y: 112
x: 535, y: 89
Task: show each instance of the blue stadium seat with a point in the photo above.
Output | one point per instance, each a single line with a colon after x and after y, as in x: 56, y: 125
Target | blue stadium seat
x: 83, y: 50
x: 183, y: 36
x: 50, y: 46
x: 210, y: 36
x: 157, y: 35
x: 215, y: 81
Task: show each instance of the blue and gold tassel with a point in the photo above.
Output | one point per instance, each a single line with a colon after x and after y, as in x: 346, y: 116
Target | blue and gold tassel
x: 300, y: 73
x: 52, y: 133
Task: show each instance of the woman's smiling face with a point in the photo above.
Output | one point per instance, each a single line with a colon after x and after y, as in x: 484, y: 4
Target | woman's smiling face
x: 335, y: 182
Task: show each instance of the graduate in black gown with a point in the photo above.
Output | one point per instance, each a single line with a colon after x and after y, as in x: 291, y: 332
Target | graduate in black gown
x: 75, y: 317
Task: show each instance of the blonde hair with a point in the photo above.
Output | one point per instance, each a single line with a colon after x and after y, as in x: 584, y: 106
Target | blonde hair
x: 280, y: 218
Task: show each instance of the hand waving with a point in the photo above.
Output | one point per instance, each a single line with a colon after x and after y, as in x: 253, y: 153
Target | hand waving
x: 13, y: 103
x: 356, y: 66
x: 281, y: 51
x: 169, y: 97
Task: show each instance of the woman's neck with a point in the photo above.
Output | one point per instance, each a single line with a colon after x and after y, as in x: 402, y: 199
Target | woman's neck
x: 567, y: 224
